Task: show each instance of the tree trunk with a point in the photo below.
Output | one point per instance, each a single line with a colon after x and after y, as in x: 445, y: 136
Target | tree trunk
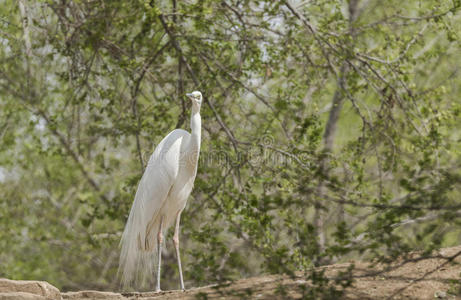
x: 329, y: 137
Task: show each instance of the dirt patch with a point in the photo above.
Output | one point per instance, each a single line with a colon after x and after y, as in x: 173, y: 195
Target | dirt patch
x: 417, y: 279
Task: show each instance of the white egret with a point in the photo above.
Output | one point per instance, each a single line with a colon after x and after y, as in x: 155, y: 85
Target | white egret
x: 161, y: 197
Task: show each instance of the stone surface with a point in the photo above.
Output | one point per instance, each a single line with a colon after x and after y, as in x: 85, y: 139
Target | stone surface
x: 37, y: 288
x: 21, y: 296
x: 91, y: 295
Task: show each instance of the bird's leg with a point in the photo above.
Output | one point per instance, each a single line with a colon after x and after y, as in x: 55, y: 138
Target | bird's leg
x: 176, y: 246
x: 159, y: 248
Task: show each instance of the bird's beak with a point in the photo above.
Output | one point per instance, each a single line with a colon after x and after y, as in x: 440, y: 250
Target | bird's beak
x: 189, y: 96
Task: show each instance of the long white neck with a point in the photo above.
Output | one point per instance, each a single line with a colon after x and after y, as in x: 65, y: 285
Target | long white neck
x: 196, y: 129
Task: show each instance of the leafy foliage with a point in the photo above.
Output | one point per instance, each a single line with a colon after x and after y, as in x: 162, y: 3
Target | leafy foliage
x: 331, y: 131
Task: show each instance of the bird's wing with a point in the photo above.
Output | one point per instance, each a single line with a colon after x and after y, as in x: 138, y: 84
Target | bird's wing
x: 160, y: 174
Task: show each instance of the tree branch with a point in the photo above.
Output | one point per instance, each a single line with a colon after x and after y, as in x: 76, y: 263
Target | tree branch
x: 197, y: 82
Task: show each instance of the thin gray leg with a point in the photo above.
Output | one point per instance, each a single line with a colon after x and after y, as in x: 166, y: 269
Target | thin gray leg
x: 159, y: 248
x: 176, y: 246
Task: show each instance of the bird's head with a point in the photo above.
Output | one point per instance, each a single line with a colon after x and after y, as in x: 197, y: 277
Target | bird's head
x: 196, y: 98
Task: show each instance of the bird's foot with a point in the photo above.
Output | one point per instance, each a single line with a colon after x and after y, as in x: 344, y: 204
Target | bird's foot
x: 157, y: 290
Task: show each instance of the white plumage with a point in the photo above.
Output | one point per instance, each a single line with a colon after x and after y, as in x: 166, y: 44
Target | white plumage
x: 161, y: 196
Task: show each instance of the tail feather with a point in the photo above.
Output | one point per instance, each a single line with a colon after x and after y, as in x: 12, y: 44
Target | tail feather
x: 137, y: 258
